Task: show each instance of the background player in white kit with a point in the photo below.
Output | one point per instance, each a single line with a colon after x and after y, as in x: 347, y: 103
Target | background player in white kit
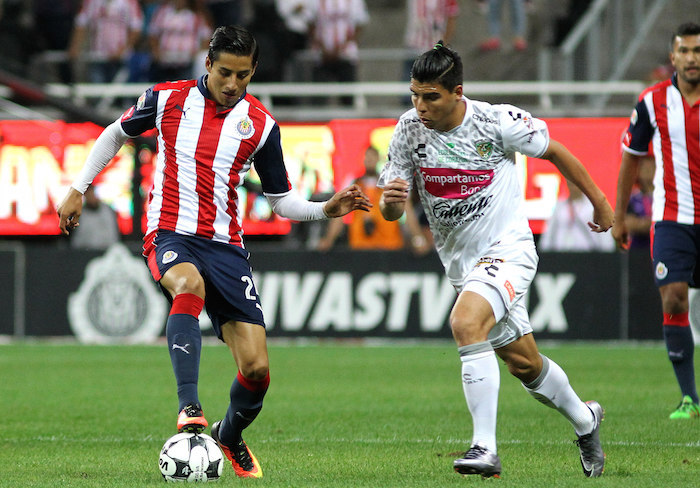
x: 459, y: 155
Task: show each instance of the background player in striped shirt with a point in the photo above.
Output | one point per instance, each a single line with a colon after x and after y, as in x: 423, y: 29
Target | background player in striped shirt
x: 459, y: 155
x: 667, y: 117
x: 112, y: 28
x: 210, y: 131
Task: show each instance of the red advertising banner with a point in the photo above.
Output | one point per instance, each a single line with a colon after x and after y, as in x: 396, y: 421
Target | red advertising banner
x: 39, y: 159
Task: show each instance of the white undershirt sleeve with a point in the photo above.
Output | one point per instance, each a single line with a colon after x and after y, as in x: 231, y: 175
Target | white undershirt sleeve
x: 106, y: 147
x: 290, y: 205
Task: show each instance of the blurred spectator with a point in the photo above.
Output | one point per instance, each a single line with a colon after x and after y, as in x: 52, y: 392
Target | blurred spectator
x: 112, y: 29
x: 296, y: 15
x: 335, y: 28
x: 369, y: 230
x: 16, y: 36
x: 140, y: 60
x: 427, y: 22
x: 660, y: 73
x: 53, y: 24
x: 568, y: 230
x: 638, y: 218
x: 177, y: 33
x: 271, y: 35
x: 226, y: 12
x: 565, y: 23
x: 98, y: 224
x: 518, y: 23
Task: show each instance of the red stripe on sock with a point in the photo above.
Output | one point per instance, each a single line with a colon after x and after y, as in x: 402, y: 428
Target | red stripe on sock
x: 187, y: 303
x: 253, y: 385
x: 677, y: 319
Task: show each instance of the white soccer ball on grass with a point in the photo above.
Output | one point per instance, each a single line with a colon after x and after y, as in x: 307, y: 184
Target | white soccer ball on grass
x: 191, y: 457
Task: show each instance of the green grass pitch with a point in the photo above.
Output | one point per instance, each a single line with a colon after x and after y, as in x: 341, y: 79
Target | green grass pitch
x: 336, y: 415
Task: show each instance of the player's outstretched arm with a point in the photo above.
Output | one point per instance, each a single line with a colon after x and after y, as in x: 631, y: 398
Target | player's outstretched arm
x: 394, y: 198
x: 347, y: 200
x: 572, y: 169
x: 69, y: 211
x: 105, y: 148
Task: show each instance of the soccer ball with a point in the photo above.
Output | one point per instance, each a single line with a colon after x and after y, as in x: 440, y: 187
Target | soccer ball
x: 191, y: 457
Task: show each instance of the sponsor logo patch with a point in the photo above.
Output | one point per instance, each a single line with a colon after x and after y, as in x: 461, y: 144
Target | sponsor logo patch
x: 455, y: 183
x: 634, y: 117
x: 141, y: 102
x: 511, y: 291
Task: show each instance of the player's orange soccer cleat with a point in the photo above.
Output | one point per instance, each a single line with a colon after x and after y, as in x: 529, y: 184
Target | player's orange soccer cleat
x: 191, y: 419
x: 243, y: 461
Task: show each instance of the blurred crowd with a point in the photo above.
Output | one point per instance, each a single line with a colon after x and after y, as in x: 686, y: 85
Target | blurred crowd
x: 154, y: 40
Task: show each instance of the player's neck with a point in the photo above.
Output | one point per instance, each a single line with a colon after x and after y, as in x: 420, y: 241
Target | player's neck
x: 690, y: 91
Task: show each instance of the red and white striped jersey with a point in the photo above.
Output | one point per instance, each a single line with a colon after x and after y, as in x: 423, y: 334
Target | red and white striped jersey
x: 181, y: 34
x: 427, y: 21
x: 110, y: 22
x: 202, y: 158
x: 663, y: 118
x: 336, y: 23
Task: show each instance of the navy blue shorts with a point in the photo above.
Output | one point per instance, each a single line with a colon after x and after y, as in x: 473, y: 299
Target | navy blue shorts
x: 229, y: 288
x: 675, y: 250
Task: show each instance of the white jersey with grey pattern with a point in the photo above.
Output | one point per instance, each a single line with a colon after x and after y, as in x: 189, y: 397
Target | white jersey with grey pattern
x: 467, y: 179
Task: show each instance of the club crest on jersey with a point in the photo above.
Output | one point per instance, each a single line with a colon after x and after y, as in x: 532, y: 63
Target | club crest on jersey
x: 484, y: 147
x: 169, y: 257
x: 634, y: 117
x: 245, y: 128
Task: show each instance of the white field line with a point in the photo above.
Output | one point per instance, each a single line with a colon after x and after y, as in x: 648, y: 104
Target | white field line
x: 345, y: 440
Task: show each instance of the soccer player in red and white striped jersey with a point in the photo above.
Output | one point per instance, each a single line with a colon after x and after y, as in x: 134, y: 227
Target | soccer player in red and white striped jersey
x: 667, y: 117
x: 210, y: 131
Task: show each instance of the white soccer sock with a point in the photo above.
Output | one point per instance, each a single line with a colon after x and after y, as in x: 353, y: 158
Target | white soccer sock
x: 552, y: 388
x: 481, y: 381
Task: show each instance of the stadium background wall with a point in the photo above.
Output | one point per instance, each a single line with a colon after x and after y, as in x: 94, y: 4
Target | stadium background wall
x: 45, y: 291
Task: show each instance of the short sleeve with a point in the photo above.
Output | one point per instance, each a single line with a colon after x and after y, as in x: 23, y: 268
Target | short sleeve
x: 522, y: 132
x: 640, y: 131
x: 399, y: 163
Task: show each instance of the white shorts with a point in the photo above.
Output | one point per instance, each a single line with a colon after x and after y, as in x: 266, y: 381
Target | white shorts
x: 502, y: 276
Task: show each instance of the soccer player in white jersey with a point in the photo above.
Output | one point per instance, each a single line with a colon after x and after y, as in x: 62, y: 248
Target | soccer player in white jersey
x: 459, y: 155
x: 210, y: 131
x: 667, y: 117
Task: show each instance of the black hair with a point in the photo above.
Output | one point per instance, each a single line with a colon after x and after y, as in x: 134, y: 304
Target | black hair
x: 686, y: 29
x: 441, y: 64
x: 235, y: 40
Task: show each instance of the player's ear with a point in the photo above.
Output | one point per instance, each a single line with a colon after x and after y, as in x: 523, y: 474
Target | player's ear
x: 459, y: 90
x: 208, y: 63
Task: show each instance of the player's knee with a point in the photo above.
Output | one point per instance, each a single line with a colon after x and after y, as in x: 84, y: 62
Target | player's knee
x: 183, y: 278
x: 255, y: 370
x: 466, y: 330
